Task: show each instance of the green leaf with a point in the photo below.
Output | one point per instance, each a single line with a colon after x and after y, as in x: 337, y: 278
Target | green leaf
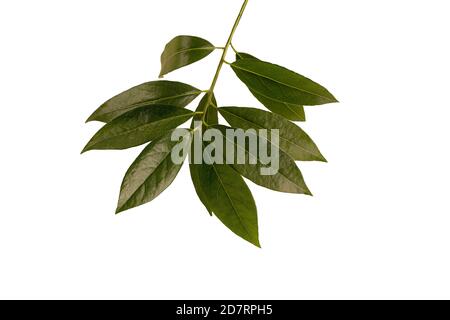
x: 150, y: 174
x: 293, y: 140
x: 182, y: 51
x: 199, y: 187
x: 280, y: 84
x: 150, y: 93
x: 138, y: 127
x: 287, y: 179
x: 229, y: 198
x: 212, y: 117
x: 223, y: 191
x: 243, y: 55
x: 289, y: 111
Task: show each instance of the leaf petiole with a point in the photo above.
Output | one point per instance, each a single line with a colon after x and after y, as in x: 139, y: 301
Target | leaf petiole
x: 235, y: 51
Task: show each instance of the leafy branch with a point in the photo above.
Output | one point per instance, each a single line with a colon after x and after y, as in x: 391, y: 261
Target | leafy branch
x: 150, y: 112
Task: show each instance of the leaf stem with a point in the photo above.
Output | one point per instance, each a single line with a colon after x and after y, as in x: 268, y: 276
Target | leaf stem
x: 234, y: 49
x: 222, y: 60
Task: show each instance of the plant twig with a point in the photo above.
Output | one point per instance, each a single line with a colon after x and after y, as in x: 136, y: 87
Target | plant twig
x: 222, y: 59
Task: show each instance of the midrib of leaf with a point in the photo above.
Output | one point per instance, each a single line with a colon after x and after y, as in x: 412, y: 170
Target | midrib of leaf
x: 292, y: 182
x: 260, y: 127
x: 144, y: 126
x: 239, y: 146
x: 231, y: 202
x: 300, y: 115
x: 281, y: 83
x: 146, y: 179
x: 229, y: 198
x: 189, y: 50
x: 285, y: 103
x: 152, y: 102
x: 287, y: 178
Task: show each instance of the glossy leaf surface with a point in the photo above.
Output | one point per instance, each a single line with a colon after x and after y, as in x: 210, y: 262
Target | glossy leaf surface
x: 280, y: 84
x: 230, y: 199
x: 182, y: 51
x: 288, y: 177
x: 150, y: 93
x: 150, y: 174
x: 289, y: 111
x: 138, y: 127
x: 212, y: 118
x: 293, y: 140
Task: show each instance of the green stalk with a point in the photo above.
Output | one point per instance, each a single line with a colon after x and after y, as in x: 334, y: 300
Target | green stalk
x: 222, y: 59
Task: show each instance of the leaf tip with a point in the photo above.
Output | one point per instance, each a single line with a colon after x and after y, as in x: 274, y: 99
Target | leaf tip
x: 90, y: 119
x: 333, y: 99
x: 119, y: 210
x: 96, y: 115
x: 163, y: 72
x: 256, y: 243
x: 323, y: 159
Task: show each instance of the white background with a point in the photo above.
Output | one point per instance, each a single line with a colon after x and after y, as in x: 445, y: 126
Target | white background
x: 378, y: 226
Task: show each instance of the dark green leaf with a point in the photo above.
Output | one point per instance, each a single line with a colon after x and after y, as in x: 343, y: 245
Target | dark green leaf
x: 280, y: 84
x: 150, y: 93
x: 289, y: 111
x: 224, y: 192
x: 287, y: 179
x: 229, y: 198
x: 293, y: 140
x: 243, y: 55
x: 138, y: 127
x: 182, y: 51
x: 212, y: 117
x: 199, y: 187
x: 150, y: 174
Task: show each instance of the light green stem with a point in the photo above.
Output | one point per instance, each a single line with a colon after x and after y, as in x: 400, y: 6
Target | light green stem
x: 222, y: 60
